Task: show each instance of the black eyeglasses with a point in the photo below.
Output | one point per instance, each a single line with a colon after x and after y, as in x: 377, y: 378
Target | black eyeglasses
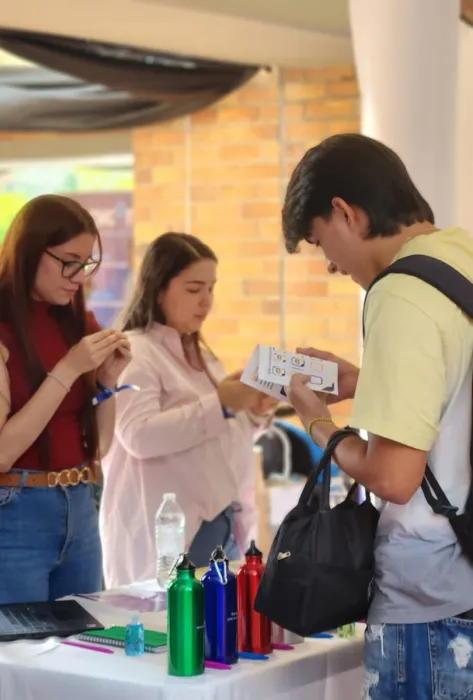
x: 71, y: 268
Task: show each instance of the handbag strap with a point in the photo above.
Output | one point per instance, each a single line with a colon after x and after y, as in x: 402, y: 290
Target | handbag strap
x: 355, y: 484
x: 324, y: 467
x: 354, y: 487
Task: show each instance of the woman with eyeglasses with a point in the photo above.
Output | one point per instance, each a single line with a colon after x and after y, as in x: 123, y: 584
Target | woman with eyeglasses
x: 54, y: 361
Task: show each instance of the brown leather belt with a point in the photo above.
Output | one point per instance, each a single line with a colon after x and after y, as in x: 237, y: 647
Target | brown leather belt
x: 64, y: 478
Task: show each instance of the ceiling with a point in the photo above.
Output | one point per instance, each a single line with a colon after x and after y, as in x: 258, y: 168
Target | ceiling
x: 312, y: 15
x: 301, y: 33
x: 304, y: 33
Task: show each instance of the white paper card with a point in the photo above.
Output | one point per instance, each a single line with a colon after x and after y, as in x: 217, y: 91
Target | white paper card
x: 250, y: 377
x: 270, y: 371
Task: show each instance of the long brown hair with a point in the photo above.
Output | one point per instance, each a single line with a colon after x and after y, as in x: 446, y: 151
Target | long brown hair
x: 166, y: 257
x: 44, y: 222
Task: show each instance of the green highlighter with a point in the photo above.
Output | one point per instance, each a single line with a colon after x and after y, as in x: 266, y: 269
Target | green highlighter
x: 185, y: 598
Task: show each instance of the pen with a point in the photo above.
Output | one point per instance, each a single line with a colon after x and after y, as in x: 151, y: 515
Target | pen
x: 91, y: 647
x: 283, y: 647
x: 321, y: 635
x: 217, y: 665
x: 252, y: 657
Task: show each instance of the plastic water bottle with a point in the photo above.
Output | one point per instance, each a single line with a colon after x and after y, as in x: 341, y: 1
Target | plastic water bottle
x: 134, y: 637
x: 170, y: 542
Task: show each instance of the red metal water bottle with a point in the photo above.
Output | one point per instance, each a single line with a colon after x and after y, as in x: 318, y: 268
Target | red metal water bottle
x: 254, y: 630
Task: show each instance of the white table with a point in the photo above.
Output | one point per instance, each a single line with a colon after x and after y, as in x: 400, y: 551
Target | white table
x: 318, y: 669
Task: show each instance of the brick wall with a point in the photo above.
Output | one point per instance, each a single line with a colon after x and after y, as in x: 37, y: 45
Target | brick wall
x: 221, y: 175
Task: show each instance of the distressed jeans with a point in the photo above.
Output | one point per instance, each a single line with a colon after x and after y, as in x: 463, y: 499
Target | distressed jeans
x: 432, y: 661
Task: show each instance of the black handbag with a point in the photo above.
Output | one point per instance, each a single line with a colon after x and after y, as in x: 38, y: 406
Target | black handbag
x: 320, y: 568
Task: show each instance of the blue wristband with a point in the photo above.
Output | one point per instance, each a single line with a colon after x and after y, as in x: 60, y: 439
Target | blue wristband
x: 105, y: 393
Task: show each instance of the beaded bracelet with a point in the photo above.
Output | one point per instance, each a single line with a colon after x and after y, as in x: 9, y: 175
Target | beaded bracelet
x: 317, y: 420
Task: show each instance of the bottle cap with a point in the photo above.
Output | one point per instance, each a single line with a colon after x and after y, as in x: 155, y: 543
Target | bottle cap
x: 135, y: 619
x: 218, y: 554
x: 185, y: 564
x: 253, y: 550
x: 169, y: 496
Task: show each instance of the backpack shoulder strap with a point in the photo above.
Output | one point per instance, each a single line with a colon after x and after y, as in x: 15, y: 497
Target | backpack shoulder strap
x: 438, y: 274
x: 459, y: 290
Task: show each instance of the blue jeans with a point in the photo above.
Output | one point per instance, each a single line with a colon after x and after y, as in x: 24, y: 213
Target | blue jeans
x: 431, y: 661
x: 211, y: 534
x: 49, y: 543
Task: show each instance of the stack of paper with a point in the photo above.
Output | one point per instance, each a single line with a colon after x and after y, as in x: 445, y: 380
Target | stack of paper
x: 270, y: 371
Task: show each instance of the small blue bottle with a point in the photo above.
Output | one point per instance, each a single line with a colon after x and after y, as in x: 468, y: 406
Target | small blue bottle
x: 220, y: 609
x: 134, y: 637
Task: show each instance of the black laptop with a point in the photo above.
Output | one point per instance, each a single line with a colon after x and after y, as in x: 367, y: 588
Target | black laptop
x: 58, y: 618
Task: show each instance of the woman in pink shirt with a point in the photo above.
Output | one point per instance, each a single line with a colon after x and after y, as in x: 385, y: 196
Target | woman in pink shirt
x: 189, y: 430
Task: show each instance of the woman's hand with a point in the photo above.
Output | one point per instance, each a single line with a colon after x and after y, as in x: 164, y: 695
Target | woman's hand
x: 89, y: 353
x: 234, y: 395
x: 112, y: 367
x: 305, y: 401
x: 264, y: 405
x: 347, y: 374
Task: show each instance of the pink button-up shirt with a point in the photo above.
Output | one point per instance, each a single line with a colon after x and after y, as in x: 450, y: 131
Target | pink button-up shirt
x: 171, y: 436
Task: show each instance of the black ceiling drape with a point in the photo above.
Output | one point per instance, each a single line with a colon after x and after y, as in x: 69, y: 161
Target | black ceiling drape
x: 80, y: 85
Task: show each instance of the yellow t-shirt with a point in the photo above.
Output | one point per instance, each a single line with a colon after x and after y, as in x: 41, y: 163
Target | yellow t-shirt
x: 412, y: 335
x: 415, y: 388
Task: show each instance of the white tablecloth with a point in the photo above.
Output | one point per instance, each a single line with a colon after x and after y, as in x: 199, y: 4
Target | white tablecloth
x: 318, y: 669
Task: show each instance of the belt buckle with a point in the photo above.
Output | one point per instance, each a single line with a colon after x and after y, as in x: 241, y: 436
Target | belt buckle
x: 85, y: 475
x: 70, y: 477
x: 74, y: 476
x: 64, y: 478
x: 52, y: 479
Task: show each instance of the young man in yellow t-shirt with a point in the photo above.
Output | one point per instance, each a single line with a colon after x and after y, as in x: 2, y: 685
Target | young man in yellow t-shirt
x: 353, y: 197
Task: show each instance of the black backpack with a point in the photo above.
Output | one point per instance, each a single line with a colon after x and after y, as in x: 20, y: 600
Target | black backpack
x: 459, y: 290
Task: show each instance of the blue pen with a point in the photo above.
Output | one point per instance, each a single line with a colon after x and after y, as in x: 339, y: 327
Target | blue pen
x: 252, y: 657
x: 321, y: 635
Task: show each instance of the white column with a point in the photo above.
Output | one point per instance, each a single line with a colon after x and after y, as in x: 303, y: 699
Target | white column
x: 464, y: 131
x: 406, y: 54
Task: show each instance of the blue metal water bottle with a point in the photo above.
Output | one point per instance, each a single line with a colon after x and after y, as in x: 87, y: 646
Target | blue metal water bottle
x: 220, y: 605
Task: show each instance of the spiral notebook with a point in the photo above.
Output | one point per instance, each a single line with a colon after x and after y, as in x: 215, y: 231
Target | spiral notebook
x: 155, y: 642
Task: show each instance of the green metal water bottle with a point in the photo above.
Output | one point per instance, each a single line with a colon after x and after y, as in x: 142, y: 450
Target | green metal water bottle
x: 185, y: 621
x: 347, y: 631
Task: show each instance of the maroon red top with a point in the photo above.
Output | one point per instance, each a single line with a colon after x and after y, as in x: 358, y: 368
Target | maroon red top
x: 66, y: 448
